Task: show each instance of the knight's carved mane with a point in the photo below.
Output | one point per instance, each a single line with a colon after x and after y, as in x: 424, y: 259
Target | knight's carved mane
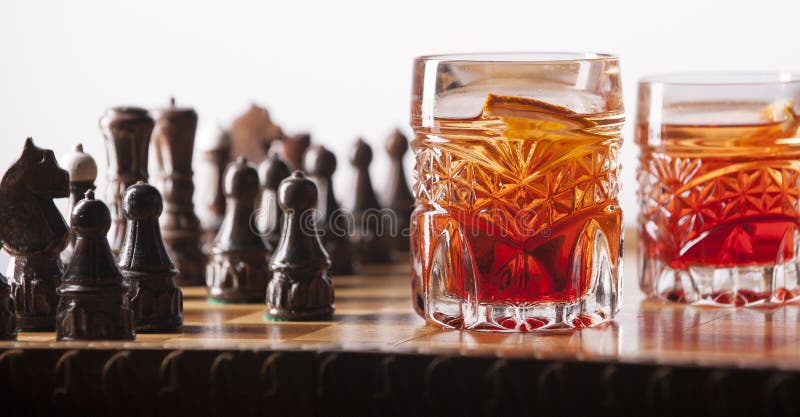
x: 29, y: 220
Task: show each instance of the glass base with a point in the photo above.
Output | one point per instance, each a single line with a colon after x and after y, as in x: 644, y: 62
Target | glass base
x: 598, y: 304
x: 745, y: 286
x: 510, y: 318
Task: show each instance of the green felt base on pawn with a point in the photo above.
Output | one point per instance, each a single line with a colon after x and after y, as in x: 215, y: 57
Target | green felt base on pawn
x: 326, y: 317
x: 217, y: 301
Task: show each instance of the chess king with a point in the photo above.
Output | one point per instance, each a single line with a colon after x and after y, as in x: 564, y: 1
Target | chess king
x: 127, y: 133
x: 34, y: 233
x: 173, y: 143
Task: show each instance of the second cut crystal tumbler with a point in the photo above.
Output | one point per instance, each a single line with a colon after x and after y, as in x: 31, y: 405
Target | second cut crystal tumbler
x: 517, y: 224
x: 719, y: 186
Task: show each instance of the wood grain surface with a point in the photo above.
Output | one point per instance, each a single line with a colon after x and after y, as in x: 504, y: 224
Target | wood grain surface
x: 374, y: 313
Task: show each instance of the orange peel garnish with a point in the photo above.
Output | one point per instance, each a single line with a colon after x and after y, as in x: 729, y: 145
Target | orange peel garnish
x: 522, y: 112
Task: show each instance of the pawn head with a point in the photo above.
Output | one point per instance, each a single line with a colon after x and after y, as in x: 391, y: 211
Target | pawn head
x: 396, y: 144
x: 90, y: 216
x: 320, y: 162
x: 241, y: 179
x: 362, y: 154
x: 80, y: 165
x: 142, y: 201
x: 297, y: 193
x: 272, y: 171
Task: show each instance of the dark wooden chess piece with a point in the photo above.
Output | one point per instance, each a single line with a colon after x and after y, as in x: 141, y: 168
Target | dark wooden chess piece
x: 8, y: 322
x: 157, y: 304
x: 370, y: 231
x: 251, y: 134
x: 95, y: 297
x: 238, y: 270
x: 293, y: 147
x: 300, y: 288
x: 217, y: 156
x: 127, y: 133
x: 271, y: 172
x: 320, y: 164
x: 82, y: 171
x: 34, y: 233
x: 398, y: 197
x: 173, y: 142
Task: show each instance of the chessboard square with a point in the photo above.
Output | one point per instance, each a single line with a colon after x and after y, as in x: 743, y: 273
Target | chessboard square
x: 372, y: 307
x: 36, y: 336
x: 368, y: 334
x: 254, y: 326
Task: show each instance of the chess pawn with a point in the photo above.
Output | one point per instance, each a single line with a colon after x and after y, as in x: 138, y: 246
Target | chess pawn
x: 127, y: 133
x: 237, y: 270
x: 34, y: 233
x: 94, y: 297
x: 157, y: 304
x: 300, y: 288
x: 271, y: 172
x: 320, y: 164
x: 293, y: 149
x: 370, y: 231
x: 217, y: 156
x: 398, y: 197
x: 173, y: 143
x: 82, y: 171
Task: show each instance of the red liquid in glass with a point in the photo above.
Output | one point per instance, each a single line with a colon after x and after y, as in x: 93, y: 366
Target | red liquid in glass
x: 521, y: 192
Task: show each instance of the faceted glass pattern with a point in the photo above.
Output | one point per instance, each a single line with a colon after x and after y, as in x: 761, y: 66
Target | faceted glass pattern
x: 720, y: 197
x: 517, y: 225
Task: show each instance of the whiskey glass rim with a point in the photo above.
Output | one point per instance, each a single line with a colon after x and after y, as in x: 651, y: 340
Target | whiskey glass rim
x: 722, y: 78
x: 525, y: 57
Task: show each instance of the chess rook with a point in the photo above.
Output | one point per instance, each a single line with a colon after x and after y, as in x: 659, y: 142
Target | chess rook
x: 398, y: 196
x: 34, y: 233
x: 127, y: 133
x: 217, y: 157
x: 237, y: 270
x: 157, y: 304
x: 293, y: 147
x: 94, y: 297
x: 82, y: 171
x: 173, y: 143
x: 320, y: 164
x: 300, y: 288
x: 271, y: 172
x: 370, y: 231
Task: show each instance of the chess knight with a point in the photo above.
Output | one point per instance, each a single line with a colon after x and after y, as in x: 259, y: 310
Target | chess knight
x: 34, y: 233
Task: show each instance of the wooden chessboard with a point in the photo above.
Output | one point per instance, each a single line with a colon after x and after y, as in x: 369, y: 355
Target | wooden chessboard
x: 374, y: 313
x: 377, y: 357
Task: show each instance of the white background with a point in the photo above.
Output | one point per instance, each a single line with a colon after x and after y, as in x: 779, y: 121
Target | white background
x: 337, y: 68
